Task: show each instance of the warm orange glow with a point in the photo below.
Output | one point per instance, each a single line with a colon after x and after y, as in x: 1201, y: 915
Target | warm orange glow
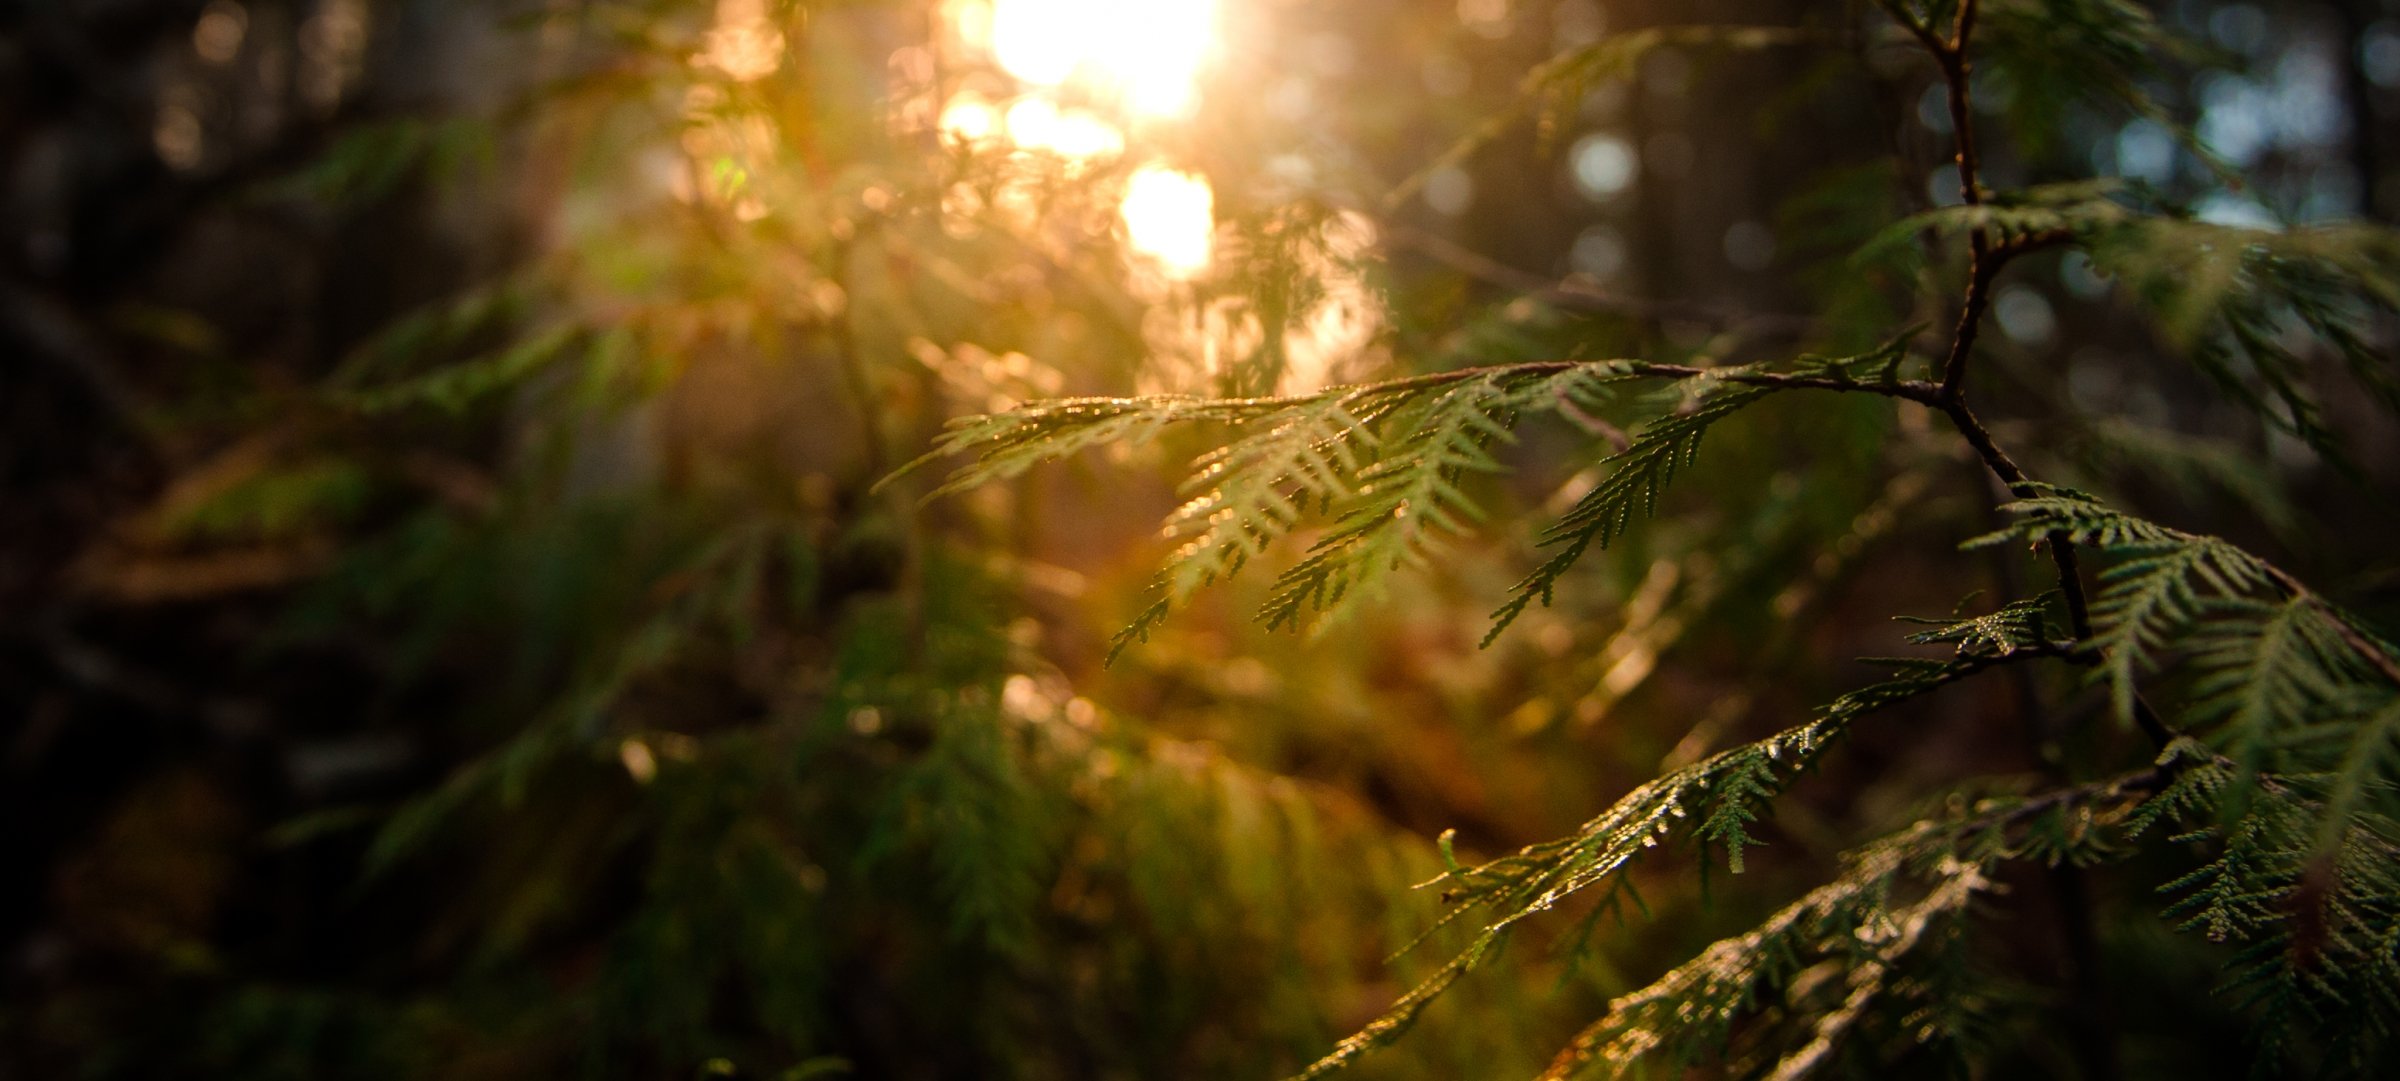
x: 1148, y: 52
x: 1171, y: 217
x: 1137, y: 60
x: 744, y: 43
x: 969, y: 118
x: 1035, y: 124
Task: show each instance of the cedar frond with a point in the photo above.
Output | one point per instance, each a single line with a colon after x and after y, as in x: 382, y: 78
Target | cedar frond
x: 2231, y: 297
x: 1712, y: 801
x: 1411, y: 498
x: 1645, y: 468
x: 2269, y: 647
x: 1384, y: 462
x: 2015, y: 626
x: 2309, y: 890
x: 1894, y: 897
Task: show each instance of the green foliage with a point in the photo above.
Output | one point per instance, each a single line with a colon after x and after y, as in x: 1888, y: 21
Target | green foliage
x: 1852, y: 954
x: 1712, y: 802
x: 2306, y: 891
x: 1386, y: 464
x: 2270, y: 315
x: 732, y: 762
x: 2017, y: 625
x: 2262, y: 311
x: 2279, y: 723
x: 2272, y: 653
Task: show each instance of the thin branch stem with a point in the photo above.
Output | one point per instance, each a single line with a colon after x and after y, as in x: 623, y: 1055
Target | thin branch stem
x: 1918, y: 391
x: 1982, y: 268
x: 1984, y: 264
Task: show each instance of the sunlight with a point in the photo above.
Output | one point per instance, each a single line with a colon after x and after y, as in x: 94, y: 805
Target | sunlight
x: 744, y: 43
x: 1035, y: 124
x: 1171, y: 217
x: 1092, y: 70
x: 1149, y: 54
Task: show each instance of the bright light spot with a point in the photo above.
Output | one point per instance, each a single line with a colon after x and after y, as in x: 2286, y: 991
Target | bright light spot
x: 1035, y: 124
x: 1150, y: 54
x: 1171, y: 217
x: 969, y: 119
x: 1347, y: 316
x: 178, y: 137
x: 1490, y: 18
x: 2379, y: 55
x: 333, y: 46
x: 2075, y: 271
x: 1022, y: 695
x: 640, y: 763
x: 1041, y: 41
x: 1603, y: 166
x: 1598, y: 252
x: 2235, y: 211
x: 2146, y: 149
x: 743, y: 44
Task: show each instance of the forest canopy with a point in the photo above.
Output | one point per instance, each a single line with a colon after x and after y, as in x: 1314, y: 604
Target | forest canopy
x: 1200, y: 538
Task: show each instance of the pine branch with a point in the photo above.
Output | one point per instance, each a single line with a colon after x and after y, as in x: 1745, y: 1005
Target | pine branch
x: 2170, y: 579
x: 1658, y: 452
x: 2227, y: 296
x: 2314, y: 891
x: 1384, y: 462
x: 1726, y: 792
x: 1854, y: 922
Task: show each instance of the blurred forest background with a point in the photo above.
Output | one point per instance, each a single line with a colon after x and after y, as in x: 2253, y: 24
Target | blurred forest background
x: 448, y: 627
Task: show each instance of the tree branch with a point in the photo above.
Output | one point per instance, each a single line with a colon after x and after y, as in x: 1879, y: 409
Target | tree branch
x: 1985, y: 261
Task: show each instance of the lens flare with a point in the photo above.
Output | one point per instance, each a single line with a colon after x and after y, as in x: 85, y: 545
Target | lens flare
x: 1148, y: 52
x: 1171, y: 217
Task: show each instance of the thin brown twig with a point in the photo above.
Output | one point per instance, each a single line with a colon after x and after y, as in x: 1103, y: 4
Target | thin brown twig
x: 1985, y: 262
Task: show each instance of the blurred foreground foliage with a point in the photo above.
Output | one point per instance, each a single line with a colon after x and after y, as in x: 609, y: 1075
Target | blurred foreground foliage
x: 477, y: 622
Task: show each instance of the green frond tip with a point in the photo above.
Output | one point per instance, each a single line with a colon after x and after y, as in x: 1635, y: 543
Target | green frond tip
x: 1712, y: 801
x: 2259, y: 310
x: 1412, y: 497
x: 2306, y: 884
x: 2016, y: 626
x: 1387, y: 465
x: 1642, y: 471
x: 1895, y: 898
x: 1005, y: 445
x: 2275, y: 662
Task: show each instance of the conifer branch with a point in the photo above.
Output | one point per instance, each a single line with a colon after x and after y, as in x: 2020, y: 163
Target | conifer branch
x: 1985, y: 261
x: 1690, y: 1014
x: 1711, y: 802
x: 1384, y: 463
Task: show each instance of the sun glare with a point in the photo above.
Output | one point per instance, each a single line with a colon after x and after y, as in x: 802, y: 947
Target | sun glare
x: 1147, y: 52
x: 1171, y: 217
x: 1092, y: 70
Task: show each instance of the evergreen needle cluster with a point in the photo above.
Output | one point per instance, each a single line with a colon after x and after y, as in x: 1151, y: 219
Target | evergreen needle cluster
x: 2276, y: 713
